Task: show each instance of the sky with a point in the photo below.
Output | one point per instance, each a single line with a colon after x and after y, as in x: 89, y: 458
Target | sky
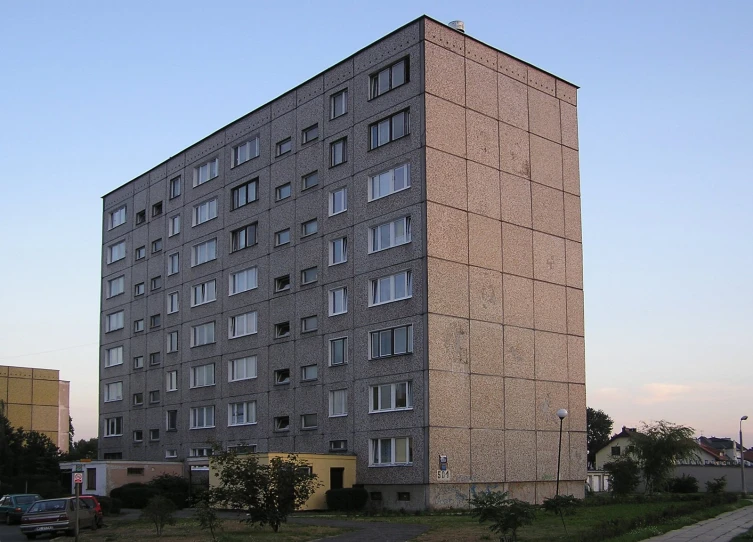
x: 95, y: 93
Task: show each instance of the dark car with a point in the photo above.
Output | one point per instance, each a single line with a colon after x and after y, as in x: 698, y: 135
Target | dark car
x: 12, y: 507
x: 93, y: 502
x: 54, y: 515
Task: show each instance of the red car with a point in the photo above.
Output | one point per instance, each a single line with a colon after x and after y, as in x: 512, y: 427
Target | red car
x: 92, y: 502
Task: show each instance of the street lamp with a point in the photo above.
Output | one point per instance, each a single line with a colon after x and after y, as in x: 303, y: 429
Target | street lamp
x: 561, y: 414
x: 742, y: 458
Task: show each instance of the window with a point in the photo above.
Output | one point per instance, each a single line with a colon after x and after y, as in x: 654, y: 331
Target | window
x: 283, y: 192
x: 206, y: 171
x: 310, y: 227
x: 244, y: 280
x: 173, y: 226
x: 338, y: 104
x: 138, y: 399
x: 391, y: 451
x: 202, y: 417
x: 175, y: 187
x: 157, y: 209
x: 282, y: 330
x: 308, y: 324
x: 141, y: 217
x: 139, y: 289
x: 114, y: 356
x: 204, y: 252
x: 338, y: 351
x: 403, y: 495
x: 173, y: 263
x: 206, y: 292
x: 241, y: 413
x: 390, y: 234
x: 155, y: 320
x: 116, y: 218
x: 113, y: 455
x: 138, y: 436
x: 338, y: 201
x: 171, y: 381
x: 202, y: 375
x: 391, y: 342
x: 615, y: 450
x: 114, y: 426
x: 282, y: 283
x: 155, y: 358
x: 391, y: 288
x: 243, y: 237
x: 242, y: 448
x: 338, y: 403
x: 243, y: 324
x: 309, y: 275
x: 338, y: 251
x: 156, y: 283
x: 116, y: 252
x: 309, y: 372
x: 282, y: 237
x: 156, y: 245
x: 113, y: 392
x: 310, y: 181
x: 116, y: 286
x: 200, y: 452
x: 310, y: 134
x: 138, y: 362
x: 245, y: 151
x: 173, y: 302
x: 338, y: 152
x: 202, y: 334
x: 154, y: 396
x: 338, y: 301
x: 204, y: 211
x: 308, y: 421
x: 242, y: 369
x: 172, y: 341
x: 138, y: 325
x: 282, y: 423
x: 339, y: 446
x: 389, y: 78
x: 282, y: 376
x: 388, y: 182
x: 245, y: 193
x: 389, y: 129
x: 283, y: 147
x: 114, y: 321
x: 171, y: 420
x: 389, y: 397
x: 140, y: 253
x: 171, y: 453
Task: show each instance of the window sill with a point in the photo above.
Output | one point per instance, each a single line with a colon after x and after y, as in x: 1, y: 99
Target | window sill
x: 198, y: 428
x: 390, y: 410
x: 390, y: 301
x: 382, y: 465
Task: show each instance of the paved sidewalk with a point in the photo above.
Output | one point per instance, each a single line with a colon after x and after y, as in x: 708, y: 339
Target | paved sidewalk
x: 722, y: 528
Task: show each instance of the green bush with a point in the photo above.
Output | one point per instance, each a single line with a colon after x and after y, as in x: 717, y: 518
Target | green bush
x: 718, y: 485
x: 503, y: 513
x: 347, y: 499
x: 109, y: 505
x: 683, y: 484
x: 134, y: 495
x: 624, y: 475
x: 175, y: 488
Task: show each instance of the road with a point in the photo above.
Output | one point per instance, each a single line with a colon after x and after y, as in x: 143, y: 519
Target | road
x: 11, y: 533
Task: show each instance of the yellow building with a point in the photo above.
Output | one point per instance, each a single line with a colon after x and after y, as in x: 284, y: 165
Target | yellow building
x: 333, y: 471
x: 37, y: 400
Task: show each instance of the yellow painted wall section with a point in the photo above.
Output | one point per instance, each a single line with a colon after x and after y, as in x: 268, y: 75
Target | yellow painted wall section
x: 3, y: 388
x: 45, y: 392
x: 320, y: 465
x: 19, y: 391
x: 19, y: 416
x: 45, y: 419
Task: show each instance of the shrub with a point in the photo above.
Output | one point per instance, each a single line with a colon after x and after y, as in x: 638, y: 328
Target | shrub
x: 347, y: 499
x: 683, y: 484
x: 207, y: 518
x: 109, y: 505
x: 505, y: 514
x: 159, y: 510
x: 718, y: 485
x: 175, y: 488
x: 134, y: 495
x: 624, y: 475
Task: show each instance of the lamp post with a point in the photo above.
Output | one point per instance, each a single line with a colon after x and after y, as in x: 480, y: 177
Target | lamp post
x: 561, y: 414
x: 742, y: 459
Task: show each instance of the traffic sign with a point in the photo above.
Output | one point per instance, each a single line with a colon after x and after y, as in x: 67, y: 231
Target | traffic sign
x: 78, y: 477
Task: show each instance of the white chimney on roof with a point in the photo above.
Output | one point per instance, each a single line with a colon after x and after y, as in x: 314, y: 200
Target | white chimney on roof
x: 457, y: 25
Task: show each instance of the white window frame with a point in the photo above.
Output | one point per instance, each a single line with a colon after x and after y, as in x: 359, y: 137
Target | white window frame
x: 393, y: 239
x: 173, y: 342
x: 206, y: 171
x: 117, y: 281
x: 249, y: 325
x: 375, y: 449
x: 173, y: 225
x: 343, y: 241
x: 138, y: 325
x: 339, y: 146
x: 234, y: 365
x: 209, y: 247
x: 113, y: 391
x: 200, y: 452
x: 246, y: 151
x: 176, y: 187
x: 202, y: 376
x: 116, y: 252
x: 390, y: 177
x: 250, y: 280
x: 169, y: 427
x: 114, y: 321
x: 316, y: 275
x: 404, y: 278
x: 138, y: 362
x: 173, y: 302
x: 338, y: 104
x: 312, y: 225
x: 114, y: 356
x: 304, y: 425
x: 306, y: 180
x: 204, y: 212
x: 199, y: 417
x: 334, y: 411
x: 203, y: 293
x: 278, y: 425
x: 171, y: 453
x: 114, y: 426
x: 284, y: 146
x: 171, y: 381
x: 139, y: 289
x: 345, y: 351
x: 116, y: 218
x: 140, y: 253
x: 173, y: 263
x: 203, y: 334
x: 338, y: 201
x: 246, y: 409
x: 378, y: 335
x: 307, y: 322
x: 305, y: 377
x: 375, y: 402
x: 338, y: 296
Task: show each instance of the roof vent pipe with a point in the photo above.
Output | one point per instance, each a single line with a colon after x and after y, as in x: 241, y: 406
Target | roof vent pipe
x: 457, y: 25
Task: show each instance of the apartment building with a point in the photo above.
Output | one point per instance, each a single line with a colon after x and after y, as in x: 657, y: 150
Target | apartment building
x: 385, y: 261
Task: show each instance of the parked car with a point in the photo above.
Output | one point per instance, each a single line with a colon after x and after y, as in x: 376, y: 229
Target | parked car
x: 93, y: 502
x: 54, y: 515
x: 12, y: 507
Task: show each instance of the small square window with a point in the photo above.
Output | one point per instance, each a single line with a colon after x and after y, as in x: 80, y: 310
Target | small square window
x: 138, y: 363
x: 155, y: 358
x: 310, y: 181
x: 403, y: 495
x: 308, y: 324
x: 156, y: 245
x: 155, y: 320
x: 309, y: 372
x: 282, y: 283
x: 338, y: 152
x: 138, y: 289
x: 282, y: 192
x: 310, y: 134
x: 338, y: 104
x: 138, y: 399
x: 308, y: 421
x: 338, y: 445
x: 157, y: 209
x: 282, y: 237
x: 153, y: 434
x: 309, y: 275
x: 138, y: 435
x: 154, y: 396
x: 141, y: 253
x: 282, y: 423
x: 283, y: 147
x: 156, y: 283
x: 282, y: 330
x: 282, y: 376
x: 138, y: 325
x: 309, y: 227
x: 141, y: 217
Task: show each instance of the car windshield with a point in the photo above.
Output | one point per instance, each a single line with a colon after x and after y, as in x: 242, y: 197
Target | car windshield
x: 25, y: 499
x: 48, y: 506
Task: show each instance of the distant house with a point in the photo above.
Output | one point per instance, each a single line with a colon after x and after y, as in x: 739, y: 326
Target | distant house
x: 726, y: 446
x: 618, y: 446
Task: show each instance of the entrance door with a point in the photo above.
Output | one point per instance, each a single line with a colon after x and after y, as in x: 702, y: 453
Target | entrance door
x: 336, y: 477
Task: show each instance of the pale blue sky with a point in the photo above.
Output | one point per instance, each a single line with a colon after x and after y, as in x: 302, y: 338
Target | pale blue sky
x: 95, y: 93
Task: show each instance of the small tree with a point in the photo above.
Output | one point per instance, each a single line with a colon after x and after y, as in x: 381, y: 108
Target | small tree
x: 561, y: 505
x: 159, y: 510
x: 506, y: 515
x: 658, y: 447
x: 267, y: 492
x: 207, y: 518
x: 717, y: 485
x: 598, y: 430
x: 624, y: 475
